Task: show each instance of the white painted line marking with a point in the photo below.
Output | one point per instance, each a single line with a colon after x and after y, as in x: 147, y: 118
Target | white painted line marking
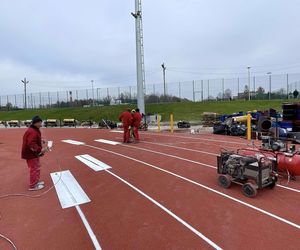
x: 172, y: 156
x: 196, y: 138
x: 108, y: 142
x: 205, y: 187
x: 92, y: 162
x: 116, y: 131
x: 195, y: 231
x: 73, y: 142
x: 181, y: 148
x: 68, y: 190
x: 288, y: 188
x: 197, y: 162
x: 88, y: 228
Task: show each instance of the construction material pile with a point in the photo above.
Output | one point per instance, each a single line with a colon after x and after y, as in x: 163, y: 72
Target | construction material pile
x: 209, y: 118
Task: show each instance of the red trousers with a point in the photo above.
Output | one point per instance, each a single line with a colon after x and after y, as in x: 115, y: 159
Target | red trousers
x: 136, y: 133
x: 34, y: 171
x: 126, y: 134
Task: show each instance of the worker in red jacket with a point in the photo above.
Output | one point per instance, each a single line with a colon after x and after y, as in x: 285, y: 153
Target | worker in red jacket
x: 137, y: 118
x: 32, y: 150
x: 126, y: 119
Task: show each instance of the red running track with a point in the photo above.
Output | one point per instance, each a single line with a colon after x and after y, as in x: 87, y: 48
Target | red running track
x: 122, y: 218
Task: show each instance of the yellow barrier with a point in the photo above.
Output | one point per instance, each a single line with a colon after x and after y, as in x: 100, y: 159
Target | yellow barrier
x: 158, y: 122
x: 240, y: 118
x: 249, y: 117
x: 172, y: 123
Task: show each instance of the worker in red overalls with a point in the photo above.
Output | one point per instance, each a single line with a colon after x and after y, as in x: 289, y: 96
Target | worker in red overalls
x: 32, y: 150
x: 126, y: 119
x: 137, y: 118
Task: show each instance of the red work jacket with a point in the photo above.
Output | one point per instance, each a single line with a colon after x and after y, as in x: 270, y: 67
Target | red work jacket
x: 32, y: 143
x: 137, y: 118
x: 126, y: 118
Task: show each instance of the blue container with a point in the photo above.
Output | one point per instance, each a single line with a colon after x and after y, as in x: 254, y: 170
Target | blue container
x: 286, y: 124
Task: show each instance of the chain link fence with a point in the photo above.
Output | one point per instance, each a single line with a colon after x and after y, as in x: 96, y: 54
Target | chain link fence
x: 261, y: 88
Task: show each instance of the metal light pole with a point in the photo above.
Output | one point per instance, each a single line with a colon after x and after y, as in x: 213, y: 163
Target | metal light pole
x: 249, y: 97
x: 164, y: 77
x: 140, y: 66
x: 270, y: 84
x: 25, y: 82
x: 92, y: 81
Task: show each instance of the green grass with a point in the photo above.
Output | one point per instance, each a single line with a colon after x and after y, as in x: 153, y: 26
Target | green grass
x: 182, y: 111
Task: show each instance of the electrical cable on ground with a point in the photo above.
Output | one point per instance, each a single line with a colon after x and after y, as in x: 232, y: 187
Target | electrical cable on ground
x: 28, y: 196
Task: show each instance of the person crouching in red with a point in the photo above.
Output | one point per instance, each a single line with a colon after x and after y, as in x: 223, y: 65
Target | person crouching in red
x: 32, y: 149
x: 137, y: 118
x: 126, y: 119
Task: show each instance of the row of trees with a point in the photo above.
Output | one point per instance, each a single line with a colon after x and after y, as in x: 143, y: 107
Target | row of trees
x: 259, y: 94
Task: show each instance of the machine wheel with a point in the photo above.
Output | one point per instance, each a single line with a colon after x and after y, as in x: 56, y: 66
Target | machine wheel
x: 249, y: 190
x: 272, y: 185
x: 224, y: 181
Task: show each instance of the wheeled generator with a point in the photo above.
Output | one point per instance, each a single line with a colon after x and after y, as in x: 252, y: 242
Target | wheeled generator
x: 253, y: 172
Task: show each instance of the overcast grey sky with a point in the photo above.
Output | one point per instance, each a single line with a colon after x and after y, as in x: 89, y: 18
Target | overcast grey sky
x: 60, y: 45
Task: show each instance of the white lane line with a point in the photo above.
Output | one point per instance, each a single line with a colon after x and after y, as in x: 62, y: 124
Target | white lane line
x: 288, y: 188
x: 70, y: 194
x: 170, y: 155
x: 73, y: 142
x: 165, y: 209
x: 88, y: 228
x: 116, y: 131
x: 195, y: 231
x: 203, y: 186
x: 108, y: 142
x: 187, y: 149
x: 193, y: 138
x: 197, y: 162
x: 68, y: 190
x: 92, y: 162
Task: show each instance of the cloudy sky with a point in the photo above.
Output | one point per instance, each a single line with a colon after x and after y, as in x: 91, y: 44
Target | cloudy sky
x: 61, y: 45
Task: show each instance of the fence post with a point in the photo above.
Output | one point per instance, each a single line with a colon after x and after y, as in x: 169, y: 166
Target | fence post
x: 118, y: 92
x: 201, y: 90
x: 77, y: 95
x: 7, y: 100
x: 254, y: 87
x: 15, y: 100
x: 238, y: 94
x: 208, y: 90
x: 87, y: 94
x: 58, y: 102
x: 107, y: 91
x: 49, y: 99
x: 179, y: 89
x: 193, y: 90
x: 287, y: 86
x: 223, y: 90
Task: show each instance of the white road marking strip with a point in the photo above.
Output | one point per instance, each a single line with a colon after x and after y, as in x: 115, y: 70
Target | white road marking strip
x: 194, y: 138
x: 92, y: 162
x: 88, y: 228
x: 195, y: 231
x: 165, y: 209
x: 116, y: 131
x: 71, y: 194
x: 197, y: 162
x: 107, y: 142
x: 73, y: 142
x: 172, y: 156
x: 187, y: 149
x: 203, y: 186
x: 288, y: 188
x: 68, y: 190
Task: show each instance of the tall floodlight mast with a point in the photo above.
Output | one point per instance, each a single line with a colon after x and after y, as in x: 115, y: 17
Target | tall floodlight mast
x: 140, y: 66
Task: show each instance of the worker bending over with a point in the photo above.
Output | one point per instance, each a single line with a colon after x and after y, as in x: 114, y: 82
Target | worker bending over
x: 126, y: 119
x: 137, y: 118
x: 32, y: 150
